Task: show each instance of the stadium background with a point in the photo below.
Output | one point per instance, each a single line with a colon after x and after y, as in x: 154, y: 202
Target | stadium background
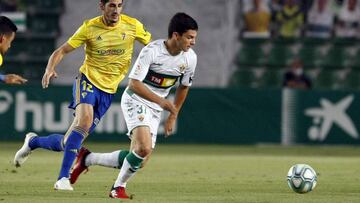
x: 237, y: 135
x: 237, y: 95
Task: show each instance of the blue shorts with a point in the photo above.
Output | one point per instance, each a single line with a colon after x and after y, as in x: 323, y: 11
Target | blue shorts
x: 84, y: 92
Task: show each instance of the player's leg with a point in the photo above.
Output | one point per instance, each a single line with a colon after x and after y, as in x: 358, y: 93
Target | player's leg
x: 86, y: 159
x: 142, y: 148
x: 84, y: 116
x: 91, y: 105
x: 142, y: 123
x: 112, y: 160
x: 52, y: 142
x: 132, y: 148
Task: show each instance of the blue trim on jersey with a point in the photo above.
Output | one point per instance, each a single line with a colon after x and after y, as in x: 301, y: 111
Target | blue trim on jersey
x: 84, y: 92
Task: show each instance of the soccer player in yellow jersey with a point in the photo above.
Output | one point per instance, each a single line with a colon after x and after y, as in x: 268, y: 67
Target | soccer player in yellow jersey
x: 109, y: 40
x: 7, y: 35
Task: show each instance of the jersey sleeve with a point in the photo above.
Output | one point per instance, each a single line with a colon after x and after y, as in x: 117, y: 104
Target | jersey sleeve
x: 142, y: 64
x: 79, y: 37
x: 142, y: 35
x: 188, y: 76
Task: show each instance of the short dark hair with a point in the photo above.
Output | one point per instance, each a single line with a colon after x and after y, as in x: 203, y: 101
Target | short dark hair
x: 105, y: 1
x: 6, y: 25
x: 181, y: 23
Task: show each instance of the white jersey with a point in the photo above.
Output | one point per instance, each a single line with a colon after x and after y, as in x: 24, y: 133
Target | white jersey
x: 160, y: 71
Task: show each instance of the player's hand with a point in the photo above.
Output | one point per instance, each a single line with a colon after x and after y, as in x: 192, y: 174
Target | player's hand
x: 14, y: 79
x: 49, y: 74
x: 168, y: 106
x: 170, y: 124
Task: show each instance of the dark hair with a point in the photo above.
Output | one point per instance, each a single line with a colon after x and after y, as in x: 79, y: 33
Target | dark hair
x: 181, y: 23
x: 6, y: 25
x: 105, y: 1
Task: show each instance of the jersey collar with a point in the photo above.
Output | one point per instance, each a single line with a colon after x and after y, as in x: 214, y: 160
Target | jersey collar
x: 101, y: 19
x: 164, y: 49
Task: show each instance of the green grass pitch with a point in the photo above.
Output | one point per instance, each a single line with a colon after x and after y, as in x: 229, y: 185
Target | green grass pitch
x: 191, y: 173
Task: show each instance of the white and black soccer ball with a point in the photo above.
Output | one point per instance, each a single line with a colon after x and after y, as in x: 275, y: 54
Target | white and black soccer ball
x: 302, y: 178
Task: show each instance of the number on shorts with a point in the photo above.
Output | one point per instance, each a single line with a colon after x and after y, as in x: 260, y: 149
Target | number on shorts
x: 141, y: 109
x: 87, y: 87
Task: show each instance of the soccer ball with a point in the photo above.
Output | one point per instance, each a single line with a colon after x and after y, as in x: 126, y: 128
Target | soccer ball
x: 301, y: 178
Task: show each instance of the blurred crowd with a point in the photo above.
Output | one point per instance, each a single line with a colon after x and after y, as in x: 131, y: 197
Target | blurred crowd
x: 11, y: 5
x: 295, y: 18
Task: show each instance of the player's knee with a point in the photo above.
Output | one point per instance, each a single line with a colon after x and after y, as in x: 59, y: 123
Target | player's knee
x: 85, y: 122
x: 143, y: 151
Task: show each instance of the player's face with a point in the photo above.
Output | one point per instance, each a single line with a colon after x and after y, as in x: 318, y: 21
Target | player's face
x: 111, y: 11
x: 187, y: 40
x: 5, y: 42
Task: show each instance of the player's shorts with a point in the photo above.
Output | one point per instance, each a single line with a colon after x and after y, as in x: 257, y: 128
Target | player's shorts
x: 138, y: 114
x: 84, y: 92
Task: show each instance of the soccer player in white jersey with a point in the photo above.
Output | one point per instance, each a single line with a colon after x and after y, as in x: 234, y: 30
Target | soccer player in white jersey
x: 157, y: 69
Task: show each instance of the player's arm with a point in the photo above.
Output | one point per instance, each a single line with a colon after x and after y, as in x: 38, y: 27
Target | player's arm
x: 138, y: 74
x: 141, y: 90
x: 12, y: 79
x: 180, y: 96
x: 181, y: 93
x: 54, y: 60
x: 142, y: 35
x: 75, y: 41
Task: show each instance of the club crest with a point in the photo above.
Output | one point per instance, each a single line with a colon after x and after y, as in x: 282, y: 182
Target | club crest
x: 141, y: 118
x: 182, y: 68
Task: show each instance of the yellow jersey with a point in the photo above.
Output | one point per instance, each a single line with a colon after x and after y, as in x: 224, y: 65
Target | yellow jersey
x: 108, y: 50
x: 1, y: 59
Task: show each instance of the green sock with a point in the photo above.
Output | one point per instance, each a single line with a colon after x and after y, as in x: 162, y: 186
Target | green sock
x: 122, y: 156
x: 134, y: 160
x: 131, y: 164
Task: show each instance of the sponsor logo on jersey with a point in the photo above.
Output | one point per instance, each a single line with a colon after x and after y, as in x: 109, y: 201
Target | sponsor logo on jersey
x: 98, y: 38
x: 111, y: 52
x: 160, y: 80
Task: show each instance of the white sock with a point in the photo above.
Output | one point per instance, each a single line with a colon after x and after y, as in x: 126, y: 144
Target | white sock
x: 103, y: 159
x: 124, y: 175
x: 126, y: 172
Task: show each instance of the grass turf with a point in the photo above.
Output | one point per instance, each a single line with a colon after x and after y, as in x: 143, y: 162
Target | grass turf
x: 190, y: 173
